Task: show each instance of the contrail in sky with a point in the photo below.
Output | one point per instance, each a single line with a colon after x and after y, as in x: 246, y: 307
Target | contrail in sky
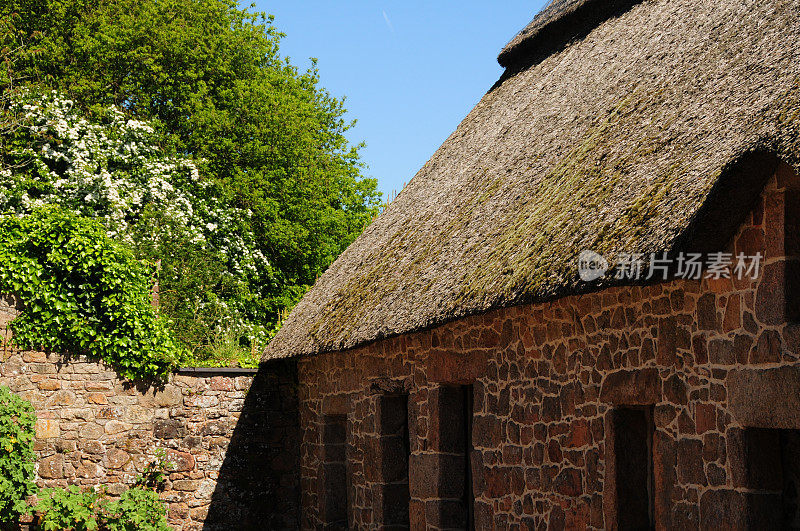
x: 388, y: 22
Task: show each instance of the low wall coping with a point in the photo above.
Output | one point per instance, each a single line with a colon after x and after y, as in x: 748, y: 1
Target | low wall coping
x: 215, y: 371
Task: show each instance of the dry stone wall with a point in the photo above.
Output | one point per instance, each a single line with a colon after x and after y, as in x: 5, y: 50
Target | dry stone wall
x: 712, y: 365
x: 231, y: 437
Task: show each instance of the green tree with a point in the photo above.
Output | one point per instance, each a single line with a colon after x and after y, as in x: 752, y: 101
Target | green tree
x: 15, y: 48
x: 211, y: 74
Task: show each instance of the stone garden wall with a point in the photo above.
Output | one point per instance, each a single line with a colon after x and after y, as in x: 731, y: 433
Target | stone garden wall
x: 232, y: 436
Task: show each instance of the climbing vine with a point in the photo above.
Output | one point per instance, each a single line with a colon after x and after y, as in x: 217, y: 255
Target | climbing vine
x: 83, y: 293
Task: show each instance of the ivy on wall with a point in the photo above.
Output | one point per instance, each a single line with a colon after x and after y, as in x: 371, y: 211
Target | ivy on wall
x: 83, y: 293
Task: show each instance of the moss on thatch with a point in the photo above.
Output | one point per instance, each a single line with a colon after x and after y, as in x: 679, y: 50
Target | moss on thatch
x: 614, y: 142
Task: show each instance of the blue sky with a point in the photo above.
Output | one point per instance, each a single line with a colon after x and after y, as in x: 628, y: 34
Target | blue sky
x: 410, y: 70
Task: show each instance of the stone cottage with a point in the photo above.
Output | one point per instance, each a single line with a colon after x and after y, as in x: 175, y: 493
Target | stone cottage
x: 584, y: 310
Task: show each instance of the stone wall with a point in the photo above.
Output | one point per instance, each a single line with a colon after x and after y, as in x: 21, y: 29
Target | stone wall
x: 231, y: 436
x: 712, y: 366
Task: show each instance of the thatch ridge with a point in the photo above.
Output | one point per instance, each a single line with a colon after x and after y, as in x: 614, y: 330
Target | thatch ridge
x: 614, y: 143
x: 557, y: 24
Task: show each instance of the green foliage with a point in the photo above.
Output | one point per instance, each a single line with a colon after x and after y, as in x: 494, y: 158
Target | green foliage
x: 83, y: 293
x: 70, y: 508
x: 139, y: 508
x: 15, y: 48
x: 86, y: 510
x: 155, y: 201
x: 17, y: 421
x: 272, y: 139
x: 154, y: 475
x: 136, y: 510
x: 198, y: 291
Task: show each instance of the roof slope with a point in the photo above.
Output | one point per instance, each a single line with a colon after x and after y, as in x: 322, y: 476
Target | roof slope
x: 612, y: 143
x: 559, y: 22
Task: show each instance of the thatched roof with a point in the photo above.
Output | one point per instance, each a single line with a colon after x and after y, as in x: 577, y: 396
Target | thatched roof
x: 614, y: 140
x: 558, y: 23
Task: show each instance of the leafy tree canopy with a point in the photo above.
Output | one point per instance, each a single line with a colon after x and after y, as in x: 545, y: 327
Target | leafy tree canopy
x: 209, y: 77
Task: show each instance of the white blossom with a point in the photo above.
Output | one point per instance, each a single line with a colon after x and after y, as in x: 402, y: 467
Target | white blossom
x: 112, y: 171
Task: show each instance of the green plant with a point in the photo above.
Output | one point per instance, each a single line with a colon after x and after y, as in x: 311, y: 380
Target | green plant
x: 70, y: 508
x: 17, y: 421
x: 83, y: 293
x: 85, y: 510
x: 264, y: 134
x: 153, y: 476
x: 136, y: 510
x: 79, y: 509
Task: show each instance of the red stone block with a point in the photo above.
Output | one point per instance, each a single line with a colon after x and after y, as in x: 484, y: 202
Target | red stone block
x: 554, y: 454
x: 487, y: 431
x: 768, y: 398
x: 707, y: 318
x: 498, y: 482
x: 774, y: 223
x: 767, y: 349
x: 417, y: 514
x: 705, y: 417
x: 721, y: 352
x: 551, y: 408
x: 518, y: 480
x: 699, y: 349
x: 568, y: 482
x: 580, y: 434
x: 664, y: 476
x: 667, y: 332
x: 732, y: 319
x: 637, y: 387
x: 770, y: 303
x: 750, y: 241
x: 720, y: 285
x: 675, y: 390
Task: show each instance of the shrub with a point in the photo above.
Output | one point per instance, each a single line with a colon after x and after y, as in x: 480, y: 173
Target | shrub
x: 17, y: 421
x: 137, y: 509
x: 86, y: 510
x: 116, y: 170
x: 70, y: 508
x: 154, y: 475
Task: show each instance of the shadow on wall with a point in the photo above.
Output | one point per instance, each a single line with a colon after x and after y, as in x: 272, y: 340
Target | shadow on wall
x: 258, y: 485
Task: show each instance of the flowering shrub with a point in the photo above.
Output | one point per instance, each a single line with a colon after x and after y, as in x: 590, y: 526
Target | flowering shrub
x: 115, y: 170
x: 17, y: 420
x: 137, y: 509
x: 83, y: 293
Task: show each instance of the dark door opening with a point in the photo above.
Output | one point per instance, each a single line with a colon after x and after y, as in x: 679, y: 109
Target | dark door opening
x: 773, y: 475
x: 396, y: 451
x: 633, y: 451
x: 335, y: 502
x: 469, y: 493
